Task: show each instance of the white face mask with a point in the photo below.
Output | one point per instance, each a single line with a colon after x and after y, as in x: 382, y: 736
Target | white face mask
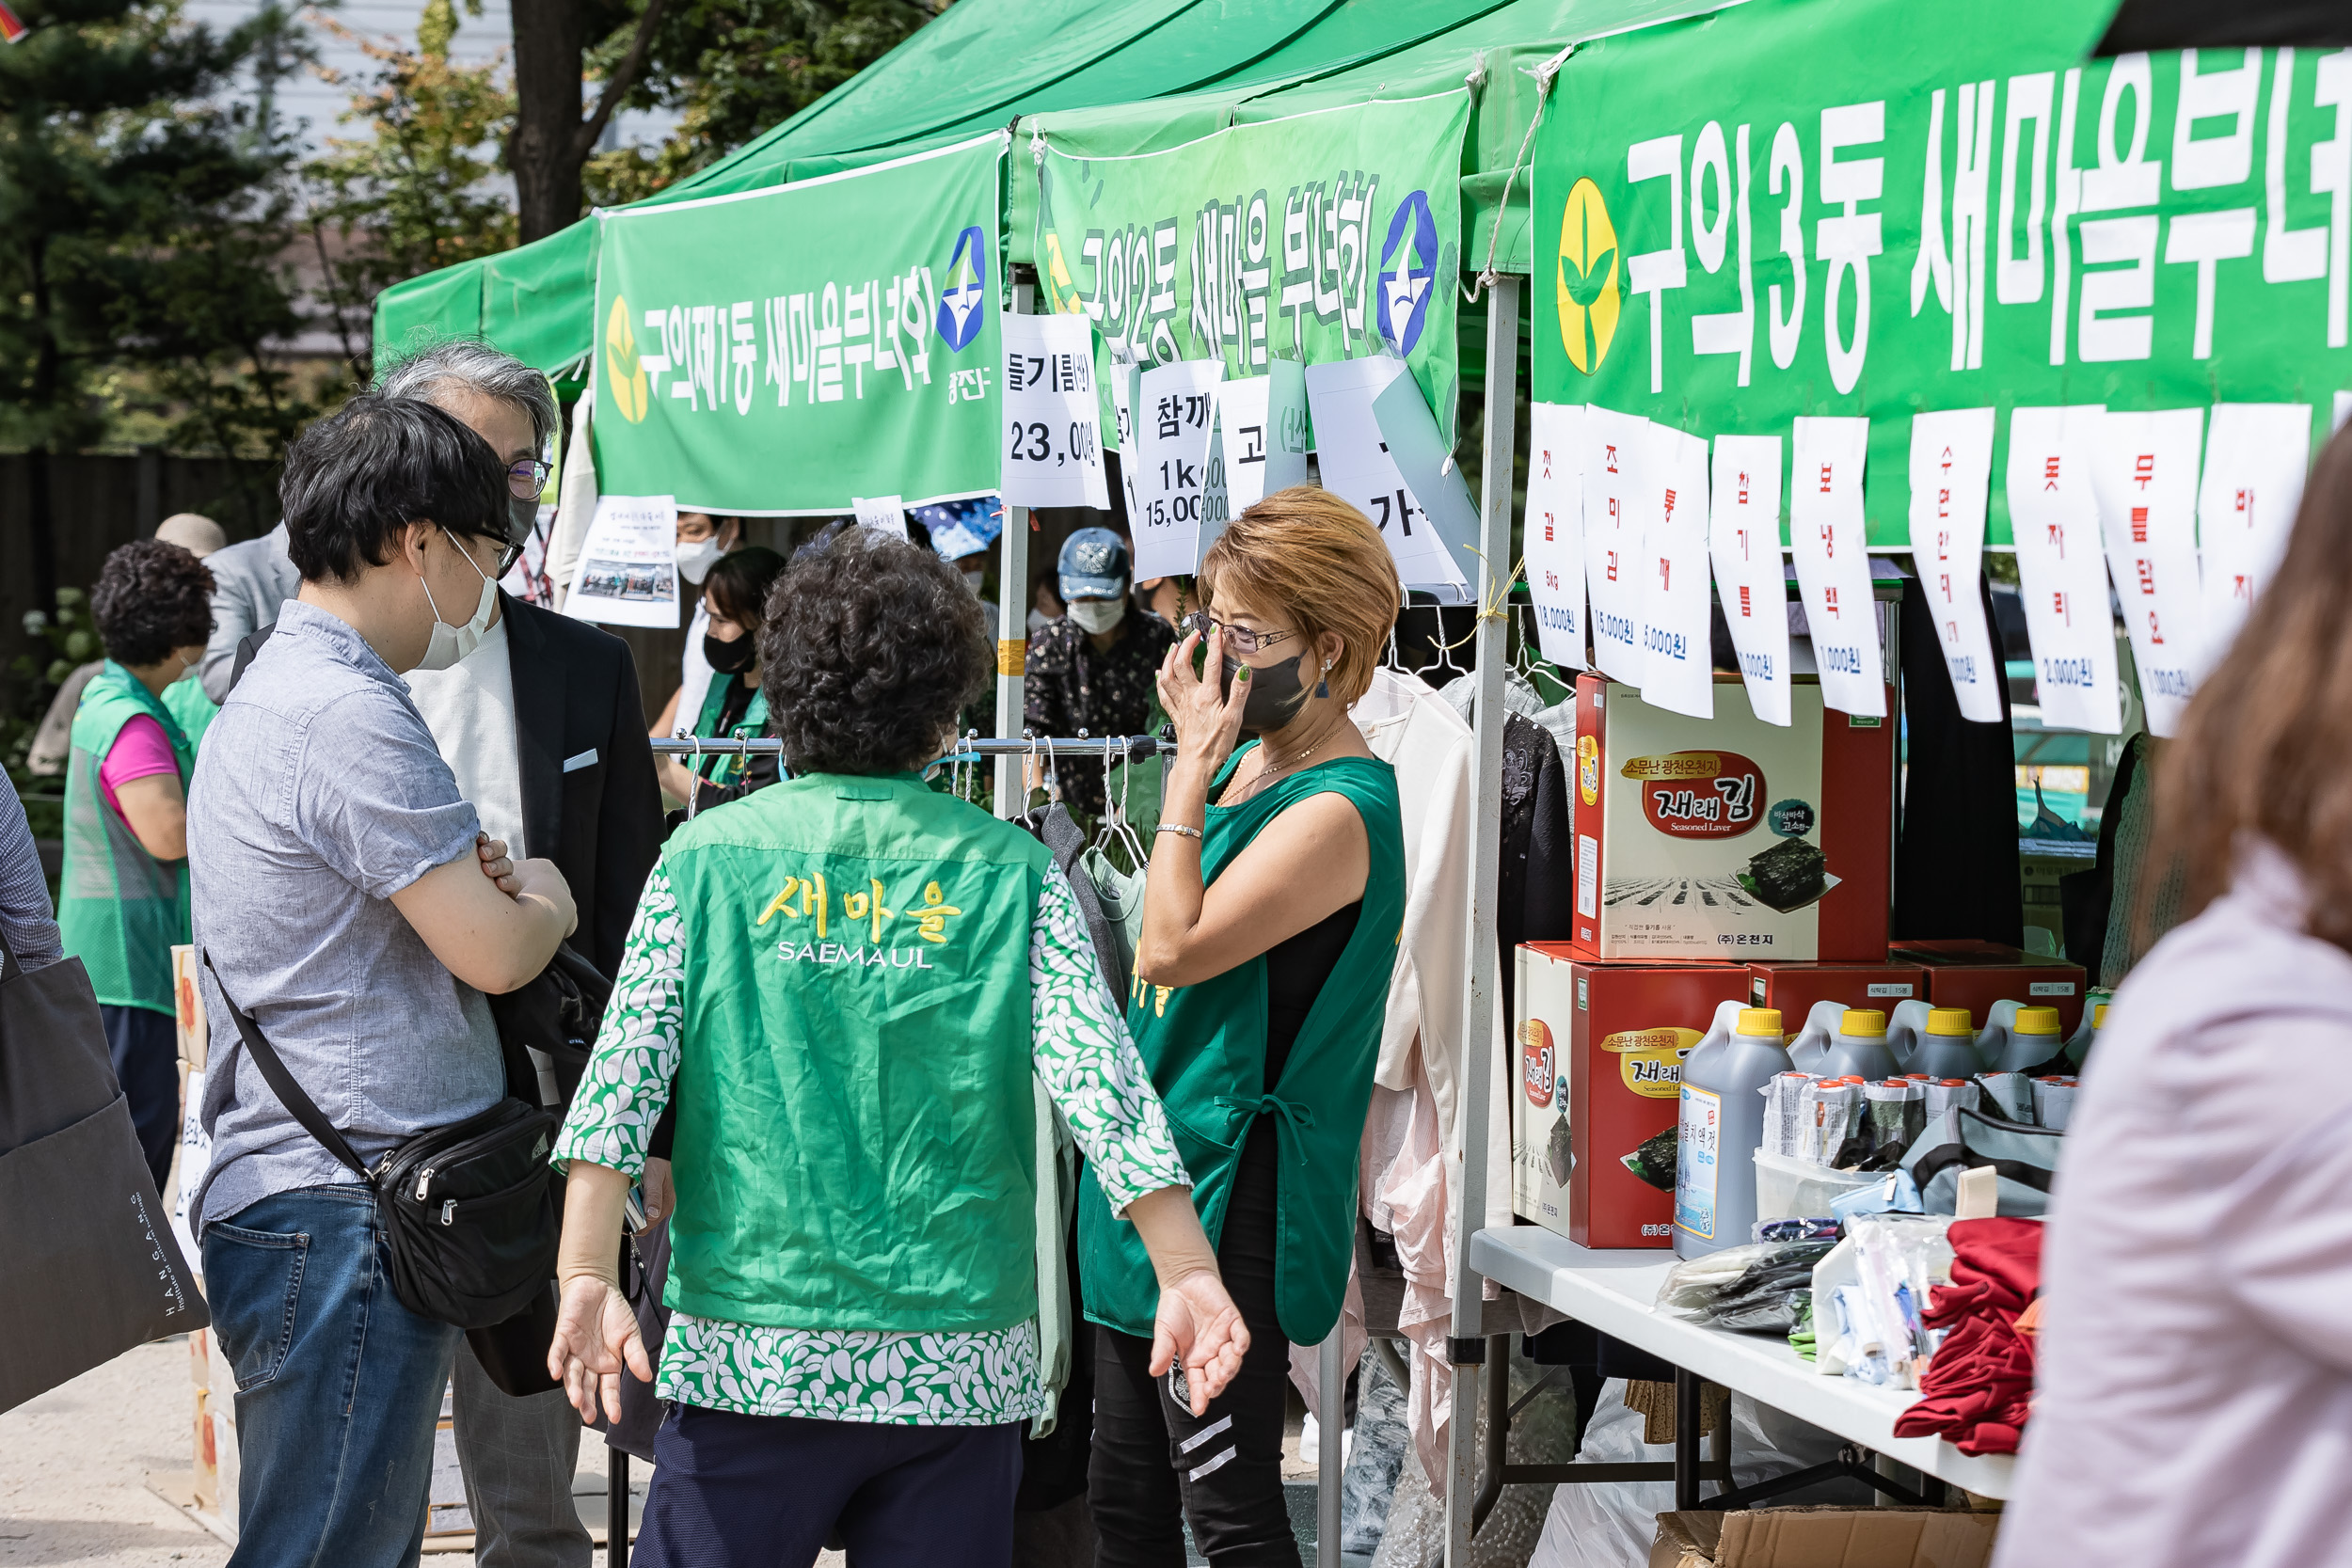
x: 976, y: 581
x: 449, y: 643
x: 1098, y: 615
x: 695, y: 560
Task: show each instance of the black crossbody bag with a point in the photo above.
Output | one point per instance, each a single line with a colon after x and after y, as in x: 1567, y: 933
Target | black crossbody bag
x: 469, y: 1211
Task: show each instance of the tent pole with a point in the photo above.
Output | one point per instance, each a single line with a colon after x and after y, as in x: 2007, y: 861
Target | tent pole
x: 1466, y: 1347
x: 1013, y: 622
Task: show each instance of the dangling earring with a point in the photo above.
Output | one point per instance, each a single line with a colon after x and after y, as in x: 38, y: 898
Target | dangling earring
x: 1322, y: 688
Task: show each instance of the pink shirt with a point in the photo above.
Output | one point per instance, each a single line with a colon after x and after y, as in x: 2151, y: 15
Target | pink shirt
x: 141, y: 751
x: 2194, y: 1404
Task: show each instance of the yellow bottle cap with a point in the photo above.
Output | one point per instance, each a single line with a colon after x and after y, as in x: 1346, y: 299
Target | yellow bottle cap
x: 1949, y: 1021
x: 2037, y: 1020
x: 1759, y: 1020
x: 1862, y: 1021
x: 2099, y: 1017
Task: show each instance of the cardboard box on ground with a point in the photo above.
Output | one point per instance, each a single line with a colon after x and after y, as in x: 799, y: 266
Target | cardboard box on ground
x: 1824, y: 1538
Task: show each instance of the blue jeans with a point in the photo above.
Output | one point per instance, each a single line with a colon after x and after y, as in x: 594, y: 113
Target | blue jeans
x: 338, y: 1384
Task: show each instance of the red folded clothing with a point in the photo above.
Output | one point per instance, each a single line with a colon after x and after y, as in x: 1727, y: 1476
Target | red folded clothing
x: 1979, y: 1387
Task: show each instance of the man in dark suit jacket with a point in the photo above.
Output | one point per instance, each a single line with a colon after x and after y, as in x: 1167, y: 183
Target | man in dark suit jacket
x: 541, y: 721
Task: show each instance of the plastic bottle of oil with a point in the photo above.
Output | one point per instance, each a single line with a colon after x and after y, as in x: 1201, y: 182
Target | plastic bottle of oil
x: 2094, y: 1020
x: 1721, y: 1127
x: 2033, y: 1039
x: 1907, y: 1028
x: 1813, y: 1041
x: 1859, y: 1048
x: 1948, y: 1049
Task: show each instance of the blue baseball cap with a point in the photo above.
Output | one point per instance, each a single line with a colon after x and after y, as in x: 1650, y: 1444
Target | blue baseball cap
x: 1093, y: 566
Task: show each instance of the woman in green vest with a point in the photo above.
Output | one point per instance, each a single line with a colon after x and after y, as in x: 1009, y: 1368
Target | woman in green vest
x: 734, y: 706
x: 122, y: 900
x: 849, y: 986
x: 1270, y: 921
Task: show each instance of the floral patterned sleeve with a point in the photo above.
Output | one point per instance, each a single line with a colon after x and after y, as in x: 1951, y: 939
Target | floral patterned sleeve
x: 627, y: 1084
x: 1089, y: 1064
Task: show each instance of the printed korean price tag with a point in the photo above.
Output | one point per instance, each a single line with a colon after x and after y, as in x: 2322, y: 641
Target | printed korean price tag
x: 628, y: 572
x: 1353, y: 445
x: 1555, y: 530
x: 1951, y: 476
x: 2256, y: 456
x: 1678, y: 671
x: 1053, y: 415
x: 1616, y: 447
x: 886, y: 512
x: 2061, y: 569
x: 1123, y: 375
x: 2144, y: 474
x: 1262, y: 433
x: 1174, y: 414
x: 1827, y: 540
x: 1751, y: 574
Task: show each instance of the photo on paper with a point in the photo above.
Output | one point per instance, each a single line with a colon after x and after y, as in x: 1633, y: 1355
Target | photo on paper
x: 631, y: 582
x: 628, y: 564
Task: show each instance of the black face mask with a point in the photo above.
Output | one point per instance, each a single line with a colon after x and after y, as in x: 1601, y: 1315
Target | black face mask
x: 730, y: 658
x: 1274, y: 697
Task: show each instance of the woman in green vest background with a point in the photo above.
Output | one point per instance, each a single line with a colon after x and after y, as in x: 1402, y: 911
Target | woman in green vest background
x: 849, y: 985
x: 735, y: 595
x: 1270, y: 921
x: 122, y: 900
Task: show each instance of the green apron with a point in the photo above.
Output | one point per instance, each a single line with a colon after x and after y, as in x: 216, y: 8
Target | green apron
x: 1205, y: 1044
x: 188, y: 703
x: 856, y: 1135
x: 724, y: 771
x: 120, y: 910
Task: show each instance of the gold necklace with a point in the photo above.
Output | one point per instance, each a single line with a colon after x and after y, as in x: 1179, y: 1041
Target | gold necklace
x: 1274, y: 769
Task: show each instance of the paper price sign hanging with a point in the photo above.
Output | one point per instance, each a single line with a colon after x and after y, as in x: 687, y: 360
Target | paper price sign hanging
x: 2255, y: 460
x: 1555, y: 530
x: 1951, y: 472
x: 1262, y: 433
x: 1827, y: 540
x: 2061, y: 568
x: 1053, y: 413
x: 2144, y: 475
x: 1743, y: 536
x: 1174, y: 414
x: 1615, y: 521
x: 886, y: 512
x: 1380, y: 451
x: 1677, y: 669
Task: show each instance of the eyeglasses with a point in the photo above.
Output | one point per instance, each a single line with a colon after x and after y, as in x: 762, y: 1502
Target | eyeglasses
x: 526, y: 479
x: 1242, y: 640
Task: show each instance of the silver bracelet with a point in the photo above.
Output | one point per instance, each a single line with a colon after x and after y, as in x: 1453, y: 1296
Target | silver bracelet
x: 1179, y: 828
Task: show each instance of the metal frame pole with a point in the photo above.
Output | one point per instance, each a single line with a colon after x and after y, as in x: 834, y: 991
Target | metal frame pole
x: 1012, y: 624
x: 1478, y: 1011
x: 1331, y: 1422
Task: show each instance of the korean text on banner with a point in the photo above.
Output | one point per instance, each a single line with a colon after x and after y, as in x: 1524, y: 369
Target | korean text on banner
x: 1867, y: 207
x: 1363, y: 457
x: 2144, y: 476
x: 1053, y: 415
x: 2256, y: 455
x: 1615, y: 450
x: 628, y: 563
x: 1175, y: 414
x: 873, y: 359
x: 1262, y: 433
x: 1316, y: 237
x: 1751, y: 576
x: 2061, y: 569
x: 1678, y: 666
x: 1825, y: 539
x: 1951, y: 467
x: 1555, y: 530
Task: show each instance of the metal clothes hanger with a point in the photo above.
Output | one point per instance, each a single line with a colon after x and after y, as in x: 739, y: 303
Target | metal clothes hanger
x: 694, y: 779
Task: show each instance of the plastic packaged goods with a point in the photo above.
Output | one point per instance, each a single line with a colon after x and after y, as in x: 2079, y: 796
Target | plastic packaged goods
x: 2094, y: 1020
x: 1784, y: 1112
x: 2011, y: 1094
x: 1744, y: 1288
x: 1877, y: 1283
x: 1719, y: 1126
x: 1948, y: 1046
x: 1790, y: 1191
x: 1859, y: 1047
x: 1829, y: 1109
x: 1809, y: 1050
x: 1950, y: 1094
x: 2054, y: 1102
x: 1894, y: 1112
x: 1906, y: 1029
x: 2034, y: 1042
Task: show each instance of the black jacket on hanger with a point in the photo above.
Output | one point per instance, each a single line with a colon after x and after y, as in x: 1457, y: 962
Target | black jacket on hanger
x: 1956, y: 870
x: 1535, y: 895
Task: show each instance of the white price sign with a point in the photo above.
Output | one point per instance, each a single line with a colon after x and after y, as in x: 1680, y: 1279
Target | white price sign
x: 1743, y: 535
x: 1364, y: 460
x: 886, y: 512
x: 1262, y: 432
x: 1555, y: 530
x: 2144, y: 474
x: 1616, y: 448
x: 1951, y: 478
x: 2061, y: 569
x: 627, y: 574
x: 1678, y: 666
x: 2256, y: 456
x: 1053, y: 419
x: 1829, y: 540
x: 1174, y: 414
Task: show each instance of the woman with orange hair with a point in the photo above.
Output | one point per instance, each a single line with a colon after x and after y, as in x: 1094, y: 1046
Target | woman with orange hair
x: 1270, y: 921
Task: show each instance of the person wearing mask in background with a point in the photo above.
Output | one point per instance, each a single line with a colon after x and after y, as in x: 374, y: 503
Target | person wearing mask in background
x: 346, y: 898
x: 1270, y: 923
x: 1094, y: 668
x: 703, y: 541
x: 735, y: 598
x: 1045, y: 606
x: 1163, y: 597
x: 123, y: 895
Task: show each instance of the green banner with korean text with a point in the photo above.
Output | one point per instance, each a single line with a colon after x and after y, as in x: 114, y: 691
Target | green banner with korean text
x: 1319, y: 236
x: 1877, y: 208
x: 783, y: 351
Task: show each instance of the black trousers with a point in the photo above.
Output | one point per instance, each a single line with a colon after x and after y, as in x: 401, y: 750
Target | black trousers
x: 1155, y: 1464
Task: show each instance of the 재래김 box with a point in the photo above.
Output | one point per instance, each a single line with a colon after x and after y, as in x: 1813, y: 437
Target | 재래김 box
x: 1729, y: 838
x: 1597, y: 1080
x: 1963, y: 973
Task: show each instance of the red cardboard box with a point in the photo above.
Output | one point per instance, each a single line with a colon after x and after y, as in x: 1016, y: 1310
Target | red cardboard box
x: 1794, y: 988
x: 1729, y: 838
x: 1974, y: 974
x: 1598, y: 1075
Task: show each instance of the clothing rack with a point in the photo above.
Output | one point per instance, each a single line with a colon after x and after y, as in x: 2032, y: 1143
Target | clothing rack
x: 1117, y: 748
